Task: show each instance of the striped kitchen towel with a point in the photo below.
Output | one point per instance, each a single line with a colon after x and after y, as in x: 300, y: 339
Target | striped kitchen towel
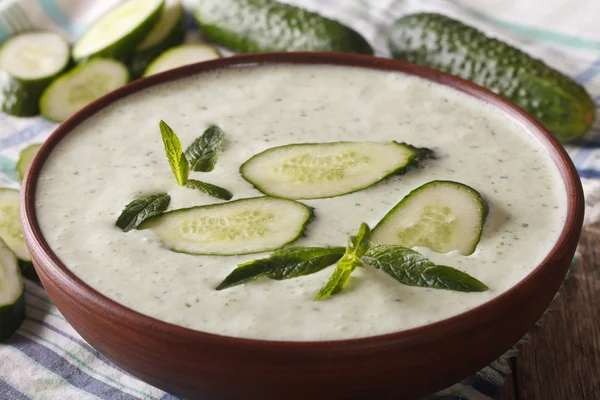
x: 47, y: 359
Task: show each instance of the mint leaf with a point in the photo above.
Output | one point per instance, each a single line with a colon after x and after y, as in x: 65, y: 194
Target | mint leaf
x: 141, y: 209
x: 203, y: 153
x: 175, y: 155
x: 413, y: 269
x: 287, y: 263
x: 208, y: 188
x: 357, y: 247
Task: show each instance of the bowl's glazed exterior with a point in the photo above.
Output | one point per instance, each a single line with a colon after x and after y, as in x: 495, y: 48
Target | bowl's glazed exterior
x: 400, y: 365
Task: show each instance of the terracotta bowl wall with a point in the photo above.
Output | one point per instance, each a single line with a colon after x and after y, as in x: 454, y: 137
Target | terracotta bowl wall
x: 400, y: 365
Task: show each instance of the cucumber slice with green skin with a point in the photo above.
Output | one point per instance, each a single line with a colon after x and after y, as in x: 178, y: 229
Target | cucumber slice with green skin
x: 168, y: 32
x: 118, y: 32
x: 25, y: 158
x: 80, y: 86
x: 442, y: 215
x: 243, y: 226
x: 28, y: 63
x: 12, y: 293
x: 10, y: 225
x: 181, y: 55
x: 321, y: 170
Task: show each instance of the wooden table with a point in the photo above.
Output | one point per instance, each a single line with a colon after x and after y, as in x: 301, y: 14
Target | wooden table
x: 561, y: 361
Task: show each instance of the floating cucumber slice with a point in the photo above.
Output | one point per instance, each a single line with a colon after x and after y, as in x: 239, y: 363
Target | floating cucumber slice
x: 10, y: 226
x: 441, y: 215
x: 28, y: 63
x: 181, y: 55
x: 80, y: 86
x: 320, y: 170
x: 118, y: 32
x: 168, y: 32
x: 239, y: 227
x: 25, y: 158
x: 12, y: 293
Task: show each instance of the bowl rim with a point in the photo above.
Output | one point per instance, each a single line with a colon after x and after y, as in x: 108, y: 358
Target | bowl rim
x: 478, y: 315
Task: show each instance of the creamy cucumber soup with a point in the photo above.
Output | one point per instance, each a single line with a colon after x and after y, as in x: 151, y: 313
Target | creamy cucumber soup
x: 118, y: 155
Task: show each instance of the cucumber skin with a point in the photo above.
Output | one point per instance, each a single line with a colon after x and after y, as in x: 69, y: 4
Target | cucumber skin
x: 122, y: 47
x: 257, y: 26
x: 140, y: 61
x: 15, y: 313
x: 561, y: 105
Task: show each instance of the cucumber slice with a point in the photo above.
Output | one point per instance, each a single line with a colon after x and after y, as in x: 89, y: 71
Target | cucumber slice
x: 12, y: 293
x: 80, y: 86
x: 28, y: 63
x: 25, y: 158
x: 168, y: 32
x: 181, y: 55
x: 10, y: 225
x: 239, y: 227
x: 118, y: 32
x: 441, y: 215
x: 320, y: 170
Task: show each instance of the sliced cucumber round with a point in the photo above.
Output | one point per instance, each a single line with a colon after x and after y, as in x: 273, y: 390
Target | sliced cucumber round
x: 28, y: 63
x: 168, y: 32
x: 181, y: 55
x: 239, y: 227
x: 442, y: 215
x: 10, y: 225
x: 25, y: 158
x: 80, y: 86
x: 12, y: 293
x: 118, y: 32
x: 320, y: 170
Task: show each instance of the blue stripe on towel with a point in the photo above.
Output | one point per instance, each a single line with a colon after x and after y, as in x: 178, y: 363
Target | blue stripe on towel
x: 10, y: 393
x: 25, y: 135
x: 69, y: 372
x: 80, y: 342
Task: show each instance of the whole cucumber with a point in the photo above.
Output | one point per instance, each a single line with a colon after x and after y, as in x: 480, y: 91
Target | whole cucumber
x: 560, y: 104
x: 258, y: 26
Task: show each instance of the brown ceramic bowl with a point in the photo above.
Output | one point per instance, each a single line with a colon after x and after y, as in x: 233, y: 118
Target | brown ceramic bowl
x: 399, y: 365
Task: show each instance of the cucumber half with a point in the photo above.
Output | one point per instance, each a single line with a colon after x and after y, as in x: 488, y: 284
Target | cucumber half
x: 12, y: 293
x: 181, y: 55
x: 80, y: 86
x: 239, y: 227
x: 10, y: 226
x: 118, y: 32
x: 441, y: 215
x: 320, y: 170
x: 28, y: 63
x: 25, y: 158
x: 168, y: 32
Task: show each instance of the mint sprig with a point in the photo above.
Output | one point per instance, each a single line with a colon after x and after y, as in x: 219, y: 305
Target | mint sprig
x: 203, y: 153
x: 405, y: 265
x: 413, y: 269
x: 357, y: 247
x: 177, y: 160
x: 286, y: 263
x: 141, y: 209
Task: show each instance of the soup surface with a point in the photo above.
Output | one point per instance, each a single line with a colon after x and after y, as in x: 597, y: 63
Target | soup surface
x: 117, y: 155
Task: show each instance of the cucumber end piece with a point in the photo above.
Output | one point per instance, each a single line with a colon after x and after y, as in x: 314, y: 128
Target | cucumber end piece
x: 12, y: 293
x: 118, y: 32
